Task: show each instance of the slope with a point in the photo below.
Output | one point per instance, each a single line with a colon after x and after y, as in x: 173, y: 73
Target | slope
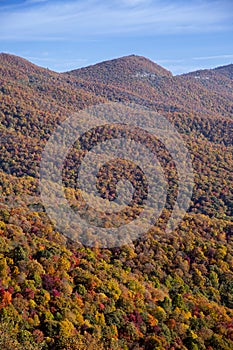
x: 143, y: 81
x: 164, y: 291
x: 219, y: 79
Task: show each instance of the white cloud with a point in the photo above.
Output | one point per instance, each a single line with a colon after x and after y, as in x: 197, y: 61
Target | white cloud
x: 135, y: 2
x: 212, y: 57
x: 178, y: 69
x: 90, y: 18
x: 168, y: 60
x: 185, y: 65
x: 34, y: 1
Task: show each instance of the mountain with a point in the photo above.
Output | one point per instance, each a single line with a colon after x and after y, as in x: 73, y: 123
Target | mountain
x: 218, y: 80
x: 33, y: 101
x: 225, y: 70
x: 163, y: 291
x: 122, y: 69
x: 134, y: 78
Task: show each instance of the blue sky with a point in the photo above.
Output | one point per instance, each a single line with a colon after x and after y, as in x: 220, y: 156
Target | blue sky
x: 62, y: 35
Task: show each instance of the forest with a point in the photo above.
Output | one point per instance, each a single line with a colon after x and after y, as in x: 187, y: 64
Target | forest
x: 168, y: 291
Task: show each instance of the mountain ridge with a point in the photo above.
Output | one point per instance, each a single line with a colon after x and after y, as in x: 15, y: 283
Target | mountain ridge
x: 164, y: 290
x: 21, y: 60
x: 131, y: 63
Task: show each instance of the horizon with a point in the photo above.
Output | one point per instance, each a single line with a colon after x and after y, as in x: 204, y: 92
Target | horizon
x: 182, y: 37
x: 112, y: 59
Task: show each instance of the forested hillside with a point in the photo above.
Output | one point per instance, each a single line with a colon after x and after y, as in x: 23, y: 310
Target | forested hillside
x: 163, y: 291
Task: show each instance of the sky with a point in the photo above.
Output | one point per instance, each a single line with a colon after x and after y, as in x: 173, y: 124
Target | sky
x: 180, y: 35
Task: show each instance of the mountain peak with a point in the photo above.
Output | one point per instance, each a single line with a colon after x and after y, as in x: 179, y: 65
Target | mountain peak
x: 140, y: 63
x: 10, y: 59
x: 20, y: 64
x: 121, y: 68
